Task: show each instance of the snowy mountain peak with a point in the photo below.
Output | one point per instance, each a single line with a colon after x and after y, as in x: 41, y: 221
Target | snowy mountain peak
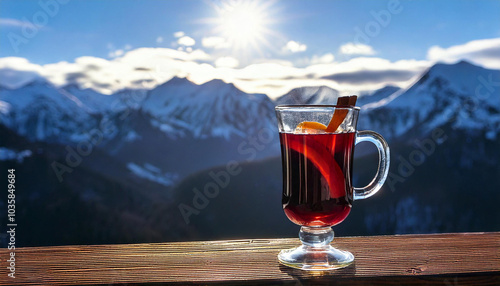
x: 216, y: 83
x: 9, y: 80
x: 463, y: 76
x: 178, y: 81
x: 378, y: 95
x: 388, y: 89
x: 447, y: 94
x: 40, y: 111
x: 459, y: 66
x: 92, y: 101
x: 214, y: 108
x: 37, y: 81
x: 222, y: 88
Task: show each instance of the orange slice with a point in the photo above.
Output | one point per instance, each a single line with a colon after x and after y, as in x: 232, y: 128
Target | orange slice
x: 337, y: 118
x: 310, y: 127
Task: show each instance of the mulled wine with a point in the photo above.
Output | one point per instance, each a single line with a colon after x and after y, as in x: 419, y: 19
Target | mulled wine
x: 317, y: 143
x: 317, y: 170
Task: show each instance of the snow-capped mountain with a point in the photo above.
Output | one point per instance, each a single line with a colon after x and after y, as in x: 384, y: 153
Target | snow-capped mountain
x: 41, y: 112
x: 178, y: 108
x: 461, y: 95
x: 327, y: 95
x: 309, y: 95
x: 169, y: 119
x: 377, y: 95
x: 164, y: 144
x: 213, y: 109
x: 93, y: 101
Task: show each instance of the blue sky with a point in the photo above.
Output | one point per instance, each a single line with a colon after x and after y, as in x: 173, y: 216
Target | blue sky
x: 295, y: 39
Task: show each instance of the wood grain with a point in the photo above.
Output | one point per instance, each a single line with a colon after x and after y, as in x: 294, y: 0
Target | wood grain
x: 444, y: 259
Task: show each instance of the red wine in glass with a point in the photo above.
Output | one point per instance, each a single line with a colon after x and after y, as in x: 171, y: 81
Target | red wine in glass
x: 317, y: 143
x: 317, y: 170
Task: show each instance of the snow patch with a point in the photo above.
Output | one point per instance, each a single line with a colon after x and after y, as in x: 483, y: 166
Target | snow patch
x: 132, y: 136
x: 491, y: 135
x: 4, y: 107
x: 153, y: 173
x: 9, y: 154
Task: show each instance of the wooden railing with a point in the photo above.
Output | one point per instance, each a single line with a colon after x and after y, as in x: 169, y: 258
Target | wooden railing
x: 442, y: 259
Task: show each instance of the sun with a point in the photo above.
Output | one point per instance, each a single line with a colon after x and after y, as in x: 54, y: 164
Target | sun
x: 244, y: 24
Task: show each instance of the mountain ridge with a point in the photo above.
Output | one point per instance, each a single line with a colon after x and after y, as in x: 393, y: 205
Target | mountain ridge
x: 435, y: 100
x: 159, y: 146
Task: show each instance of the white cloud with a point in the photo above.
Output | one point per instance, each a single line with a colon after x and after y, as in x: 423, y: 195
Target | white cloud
x: 269, y: 71
x: 156, y: 65
x: 14, y: 23
x: 227, y: 62
x: 215, y: 42
x: 356, y: 49
x: 484, y: 52
x: 18, y: 64
x: 368, y: 73
x: 129, y: 70
x: 179, y: 34
x: 270, y: 76
x: 353, y: 76
x: 89, y: 72
x: 15, y: 72
x: 324, y: 59
x: 116, y: 53
x: 135, y: 57
x: 294, y: 47
x: 159, y: 40
x: 186, y: 41
x: 366, y: 63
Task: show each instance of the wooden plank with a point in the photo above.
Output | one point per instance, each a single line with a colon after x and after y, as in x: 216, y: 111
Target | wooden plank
x: 445, y: 259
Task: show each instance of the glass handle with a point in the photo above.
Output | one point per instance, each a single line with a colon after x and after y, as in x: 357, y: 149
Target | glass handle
x: 383, y: 164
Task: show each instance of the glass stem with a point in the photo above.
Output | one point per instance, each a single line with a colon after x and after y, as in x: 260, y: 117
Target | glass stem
x: 316, y: 237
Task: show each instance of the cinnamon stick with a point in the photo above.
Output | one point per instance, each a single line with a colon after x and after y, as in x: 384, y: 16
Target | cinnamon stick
x: 340, y: 114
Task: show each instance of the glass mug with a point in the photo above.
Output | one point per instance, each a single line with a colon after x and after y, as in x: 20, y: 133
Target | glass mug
x: 317, y: 179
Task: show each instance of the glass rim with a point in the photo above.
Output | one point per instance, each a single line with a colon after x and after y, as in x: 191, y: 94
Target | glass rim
x: 311, y: 106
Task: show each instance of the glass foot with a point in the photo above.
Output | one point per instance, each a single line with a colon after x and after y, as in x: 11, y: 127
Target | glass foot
x: 315, y: 253
x: 306, y: 258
